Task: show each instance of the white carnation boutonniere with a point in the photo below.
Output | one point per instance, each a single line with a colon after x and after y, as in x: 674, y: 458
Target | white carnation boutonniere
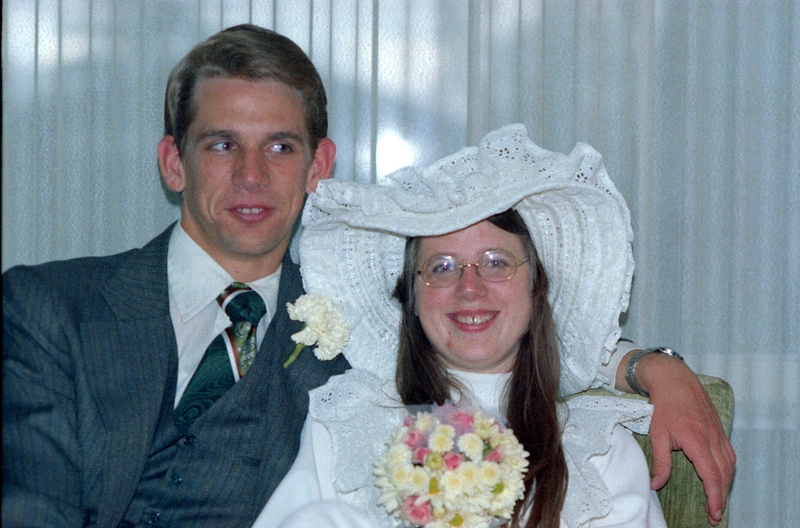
x: 325, y: 327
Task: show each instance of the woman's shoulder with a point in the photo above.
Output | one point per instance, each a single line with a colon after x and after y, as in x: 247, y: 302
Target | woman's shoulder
x: 360, y: 411
x: 355, y: 392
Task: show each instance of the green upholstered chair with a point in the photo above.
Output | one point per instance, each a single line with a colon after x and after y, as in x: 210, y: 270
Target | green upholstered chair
x: 683, y: 499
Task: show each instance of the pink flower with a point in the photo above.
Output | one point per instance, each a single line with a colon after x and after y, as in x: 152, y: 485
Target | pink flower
x: 453, y: 460
x: 419, y: 455
x: 409, y: 421
x: 495, y: 455
x: 441, y: 411
x: 414, y: 438
x: 419, y: 514
x: 462, y: 421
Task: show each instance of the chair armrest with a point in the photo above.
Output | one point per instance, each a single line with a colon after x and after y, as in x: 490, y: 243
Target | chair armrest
x: 683, y: 498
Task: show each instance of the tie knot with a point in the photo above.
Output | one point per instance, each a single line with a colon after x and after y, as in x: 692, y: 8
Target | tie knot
x: 242, y: 304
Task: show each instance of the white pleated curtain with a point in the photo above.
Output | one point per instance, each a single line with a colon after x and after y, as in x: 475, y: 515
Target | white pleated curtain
x: 694, y: 104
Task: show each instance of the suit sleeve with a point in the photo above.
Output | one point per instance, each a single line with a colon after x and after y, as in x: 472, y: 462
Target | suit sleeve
x: 42, y: 474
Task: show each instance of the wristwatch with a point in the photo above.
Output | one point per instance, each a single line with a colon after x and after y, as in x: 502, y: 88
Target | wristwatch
x: 631, y: 370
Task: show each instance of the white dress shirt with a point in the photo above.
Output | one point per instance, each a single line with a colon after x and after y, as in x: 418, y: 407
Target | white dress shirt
x: 195, y: 281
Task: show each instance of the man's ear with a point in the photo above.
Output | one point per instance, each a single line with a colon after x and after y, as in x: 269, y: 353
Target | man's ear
x: 322, y: 165
x: 169, y: 161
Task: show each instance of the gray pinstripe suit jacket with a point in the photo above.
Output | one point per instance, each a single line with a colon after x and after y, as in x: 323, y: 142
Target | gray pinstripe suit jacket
x: 89, y: 362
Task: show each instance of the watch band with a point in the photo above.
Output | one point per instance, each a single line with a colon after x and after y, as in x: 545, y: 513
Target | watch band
x: 631, y: 370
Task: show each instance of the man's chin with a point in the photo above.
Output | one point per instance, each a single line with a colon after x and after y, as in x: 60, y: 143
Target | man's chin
x: 258, y: 248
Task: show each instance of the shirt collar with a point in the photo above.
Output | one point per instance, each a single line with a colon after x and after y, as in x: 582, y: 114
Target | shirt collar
x: 195, y: 279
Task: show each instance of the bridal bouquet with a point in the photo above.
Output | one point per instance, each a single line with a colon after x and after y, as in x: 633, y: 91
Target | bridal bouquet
x: 451, y: 467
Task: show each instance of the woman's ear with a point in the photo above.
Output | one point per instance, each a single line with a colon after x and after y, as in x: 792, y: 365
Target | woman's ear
x: 170, y: 164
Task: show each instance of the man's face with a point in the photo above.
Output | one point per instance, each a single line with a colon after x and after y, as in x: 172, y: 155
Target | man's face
x: 244, y: 172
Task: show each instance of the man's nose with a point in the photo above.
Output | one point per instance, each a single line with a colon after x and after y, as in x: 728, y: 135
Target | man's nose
x: 252, y: 170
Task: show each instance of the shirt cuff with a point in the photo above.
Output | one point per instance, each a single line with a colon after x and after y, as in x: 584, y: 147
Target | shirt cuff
x: 607, y: 374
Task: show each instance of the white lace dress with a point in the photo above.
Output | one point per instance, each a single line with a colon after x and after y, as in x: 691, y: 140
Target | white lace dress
x: 353, y: 415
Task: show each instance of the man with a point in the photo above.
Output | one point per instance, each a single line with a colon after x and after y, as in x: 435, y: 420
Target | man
x: 94, y: 367
x: 101, y: 354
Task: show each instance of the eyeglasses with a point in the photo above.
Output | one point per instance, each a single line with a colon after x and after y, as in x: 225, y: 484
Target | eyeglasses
x: 441, y: 271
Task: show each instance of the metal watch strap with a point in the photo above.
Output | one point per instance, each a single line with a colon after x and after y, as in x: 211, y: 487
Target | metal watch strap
x: 631, y: 370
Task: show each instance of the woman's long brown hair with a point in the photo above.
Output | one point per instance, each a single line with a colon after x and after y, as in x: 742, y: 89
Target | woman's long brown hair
x: 532, y: 393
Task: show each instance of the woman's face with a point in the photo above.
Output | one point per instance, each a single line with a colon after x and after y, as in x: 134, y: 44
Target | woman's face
x: 475, y: 325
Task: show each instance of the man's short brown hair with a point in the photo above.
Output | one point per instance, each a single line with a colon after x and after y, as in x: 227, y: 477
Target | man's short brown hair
x: 249, y: 52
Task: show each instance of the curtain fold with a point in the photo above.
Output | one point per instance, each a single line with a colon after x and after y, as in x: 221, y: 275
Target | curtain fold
x: 695, y: 106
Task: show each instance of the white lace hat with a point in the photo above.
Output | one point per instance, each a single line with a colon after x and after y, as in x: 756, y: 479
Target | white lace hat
x: 353, y: 242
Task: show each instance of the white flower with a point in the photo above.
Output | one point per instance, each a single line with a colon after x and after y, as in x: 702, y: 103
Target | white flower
x: 401, y: 476
x: 471, y: 445
x: 485, y: 427
x: 325, y: 326
x: 441, y: 439
x: 426, y: 422
x: 397, y: 455
x: 489, y: 474
x: 419, y: 481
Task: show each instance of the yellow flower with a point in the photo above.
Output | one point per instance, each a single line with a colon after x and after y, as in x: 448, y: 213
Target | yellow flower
x: 398, y: 454
x: 434, y: 461
x: 485, y: 428
x: 451, y: 482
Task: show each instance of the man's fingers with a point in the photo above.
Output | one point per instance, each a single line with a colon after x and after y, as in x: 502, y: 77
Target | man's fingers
x: 684, y: 418
x: 662, y: 461
x: 707, y: 465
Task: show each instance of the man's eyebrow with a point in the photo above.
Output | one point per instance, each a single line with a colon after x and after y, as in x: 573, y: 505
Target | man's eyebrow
x: 228, y: 134
x: 216, y: 134
x: 287, y: 135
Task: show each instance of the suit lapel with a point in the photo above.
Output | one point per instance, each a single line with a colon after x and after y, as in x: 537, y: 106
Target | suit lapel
x: 135, y: 363
x: 281, y: 394
x: 277, y: 344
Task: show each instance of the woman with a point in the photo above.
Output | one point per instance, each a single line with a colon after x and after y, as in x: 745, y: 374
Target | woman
x: 459, y: 240
x: 488, y: 320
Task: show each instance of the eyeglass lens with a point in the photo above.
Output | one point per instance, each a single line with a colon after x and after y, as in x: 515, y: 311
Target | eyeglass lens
x: 494, y: 266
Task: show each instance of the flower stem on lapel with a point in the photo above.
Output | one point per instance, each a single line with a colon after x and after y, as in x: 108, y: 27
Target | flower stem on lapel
x: 297, y: 349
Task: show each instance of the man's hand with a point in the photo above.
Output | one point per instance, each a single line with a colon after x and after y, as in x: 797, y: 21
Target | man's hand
x: 684, y: 418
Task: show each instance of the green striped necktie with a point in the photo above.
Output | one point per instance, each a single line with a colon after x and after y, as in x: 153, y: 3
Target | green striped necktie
x: 214, y: 374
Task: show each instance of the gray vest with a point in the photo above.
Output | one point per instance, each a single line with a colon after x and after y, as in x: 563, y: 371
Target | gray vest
x: 222, y: 469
